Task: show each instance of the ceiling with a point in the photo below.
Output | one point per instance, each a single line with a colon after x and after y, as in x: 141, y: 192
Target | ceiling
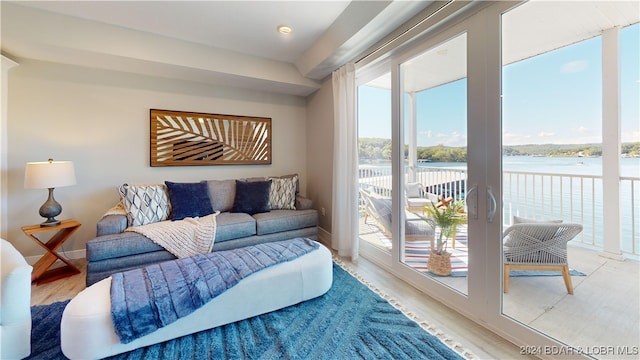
x: 533, y: 28
x: 215, y: 42
x: 236, y: 43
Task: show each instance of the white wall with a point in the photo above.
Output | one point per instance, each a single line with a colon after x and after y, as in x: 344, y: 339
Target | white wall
x: 100, y: 120
x: 320, y: 152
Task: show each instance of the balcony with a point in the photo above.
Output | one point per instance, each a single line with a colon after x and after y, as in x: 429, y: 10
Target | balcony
x: 572, y: 198
x: 604, y: 309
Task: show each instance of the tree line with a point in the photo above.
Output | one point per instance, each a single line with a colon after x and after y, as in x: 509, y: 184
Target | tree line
x: 371, y: 149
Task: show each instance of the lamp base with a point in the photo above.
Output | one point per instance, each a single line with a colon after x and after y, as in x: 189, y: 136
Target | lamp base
x: 49, y: 210
x: 50, y: 222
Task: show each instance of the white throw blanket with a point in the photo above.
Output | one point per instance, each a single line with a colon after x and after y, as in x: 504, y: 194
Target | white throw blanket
x: 182, y: 238
x: 118, y: 209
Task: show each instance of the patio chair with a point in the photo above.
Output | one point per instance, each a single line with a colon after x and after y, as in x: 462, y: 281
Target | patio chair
x: 416, y: 198
x: 379, y: 208
x: 538, y: 246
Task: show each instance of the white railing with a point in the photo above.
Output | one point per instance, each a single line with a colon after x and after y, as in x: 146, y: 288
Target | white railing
x: 629, y: 200
x: 545, y: 196
x: 441, y: 181
x: 541, y: 196
x: 573, y: 198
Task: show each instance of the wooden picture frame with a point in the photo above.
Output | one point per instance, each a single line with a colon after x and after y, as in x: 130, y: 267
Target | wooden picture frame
x: 181, y: 138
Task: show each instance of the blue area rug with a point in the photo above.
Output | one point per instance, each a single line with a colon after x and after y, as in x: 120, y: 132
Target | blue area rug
x: 349, y: 322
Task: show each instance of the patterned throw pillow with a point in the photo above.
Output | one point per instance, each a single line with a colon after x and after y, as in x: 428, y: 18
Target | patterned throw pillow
x: 145, y: 203
x: 292, y: 177
x: 283, y: 193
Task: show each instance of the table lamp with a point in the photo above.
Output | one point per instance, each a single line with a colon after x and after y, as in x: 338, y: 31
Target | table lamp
x: 49, y: 175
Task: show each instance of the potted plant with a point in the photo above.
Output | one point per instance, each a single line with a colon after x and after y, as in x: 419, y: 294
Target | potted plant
x: 444, y: 221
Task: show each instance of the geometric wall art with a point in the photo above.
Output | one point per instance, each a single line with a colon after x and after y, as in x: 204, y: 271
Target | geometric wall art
x: 185, y: 138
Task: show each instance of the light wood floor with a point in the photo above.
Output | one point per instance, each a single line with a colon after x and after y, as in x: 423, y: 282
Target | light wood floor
x: 62, y: 289
x: 481, y: 343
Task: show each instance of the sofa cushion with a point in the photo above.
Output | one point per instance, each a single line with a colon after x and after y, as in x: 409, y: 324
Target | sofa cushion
x: 145, y: 203
x: 285, y: 220
x: 302, y: 203
x: 128, y: 262
x: 189, y: 199
x: 119, y: 245
x: 419, y: 202
x: 252, y: 197
x: 413, y: 190
x: 233, y: 226
x: 282, y: 195
x: 229, y: 226
x: 111, y: 224
x: 222, y: 194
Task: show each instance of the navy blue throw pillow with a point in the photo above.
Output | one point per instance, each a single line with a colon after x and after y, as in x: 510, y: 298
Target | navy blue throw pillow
x: 189, y: 199
x: 252, y: 197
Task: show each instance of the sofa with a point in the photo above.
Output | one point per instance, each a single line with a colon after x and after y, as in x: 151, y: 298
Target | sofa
x: 249, y: 211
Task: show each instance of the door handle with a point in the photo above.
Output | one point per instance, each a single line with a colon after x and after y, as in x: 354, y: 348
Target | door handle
x: 491, y: 205
x: 472, y: 201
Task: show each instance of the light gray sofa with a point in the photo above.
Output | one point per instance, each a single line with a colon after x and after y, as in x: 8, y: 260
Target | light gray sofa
x: 114, y: 250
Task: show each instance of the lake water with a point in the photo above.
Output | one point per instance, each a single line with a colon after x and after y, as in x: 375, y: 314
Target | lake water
x: 582, y: 199
x: 568, y: 165
x: 629, y: 167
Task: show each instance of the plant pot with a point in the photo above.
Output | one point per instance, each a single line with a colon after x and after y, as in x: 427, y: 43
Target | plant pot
x: 439, y: 264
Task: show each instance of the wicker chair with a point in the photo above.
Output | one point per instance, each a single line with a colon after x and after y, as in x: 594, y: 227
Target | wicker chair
x: 538, y: 246
x: 379, y: 208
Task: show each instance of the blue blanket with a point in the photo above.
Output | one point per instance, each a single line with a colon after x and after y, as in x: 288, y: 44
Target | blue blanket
x: 146, y: 299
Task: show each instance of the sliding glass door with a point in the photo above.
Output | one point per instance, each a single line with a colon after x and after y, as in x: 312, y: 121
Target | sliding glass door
x: 413, y: 120
x: 433, y: 106
x: 554, y: 113
x: 431, y: 132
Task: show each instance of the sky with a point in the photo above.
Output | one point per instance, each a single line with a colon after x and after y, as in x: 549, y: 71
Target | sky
x: 553, y: 98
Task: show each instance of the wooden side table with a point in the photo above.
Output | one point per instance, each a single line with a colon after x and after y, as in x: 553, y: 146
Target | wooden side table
x: 40, y: 273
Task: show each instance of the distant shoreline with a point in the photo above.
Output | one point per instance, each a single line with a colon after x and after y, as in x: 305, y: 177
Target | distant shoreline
x: 630, y: 167
x: 372, y: 149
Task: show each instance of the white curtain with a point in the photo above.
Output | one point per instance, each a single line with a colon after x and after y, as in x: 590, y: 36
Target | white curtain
x: 344, y: 234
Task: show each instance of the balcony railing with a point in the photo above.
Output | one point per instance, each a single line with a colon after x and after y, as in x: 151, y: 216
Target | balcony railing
x: 541, y: 196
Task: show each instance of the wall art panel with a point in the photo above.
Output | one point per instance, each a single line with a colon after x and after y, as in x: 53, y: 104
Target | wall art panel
x: 186, y: 138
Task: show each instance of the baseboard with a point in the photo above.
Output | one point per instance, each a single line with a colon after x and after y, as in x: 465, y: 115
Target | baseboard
x: 324, y: 237
x: 612, y: 256
x: 72, y: 255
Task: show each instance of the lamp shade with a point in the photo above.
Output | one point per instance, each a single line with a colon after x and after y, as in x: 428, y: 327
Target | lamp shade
x: 49, y: 174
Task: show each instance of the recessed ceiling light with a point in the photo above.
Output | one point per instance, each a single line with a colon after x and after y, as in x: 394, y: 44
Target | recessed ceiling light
x: 284, y: 29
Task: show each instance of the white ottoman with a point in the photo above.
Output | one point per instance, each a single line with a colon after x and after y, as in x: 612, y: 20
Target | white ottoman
x: 88, y: 333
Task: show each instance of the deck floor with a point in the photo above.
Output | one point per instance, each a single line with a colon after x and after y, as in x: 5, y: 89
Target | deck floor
x: 603, y: 312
